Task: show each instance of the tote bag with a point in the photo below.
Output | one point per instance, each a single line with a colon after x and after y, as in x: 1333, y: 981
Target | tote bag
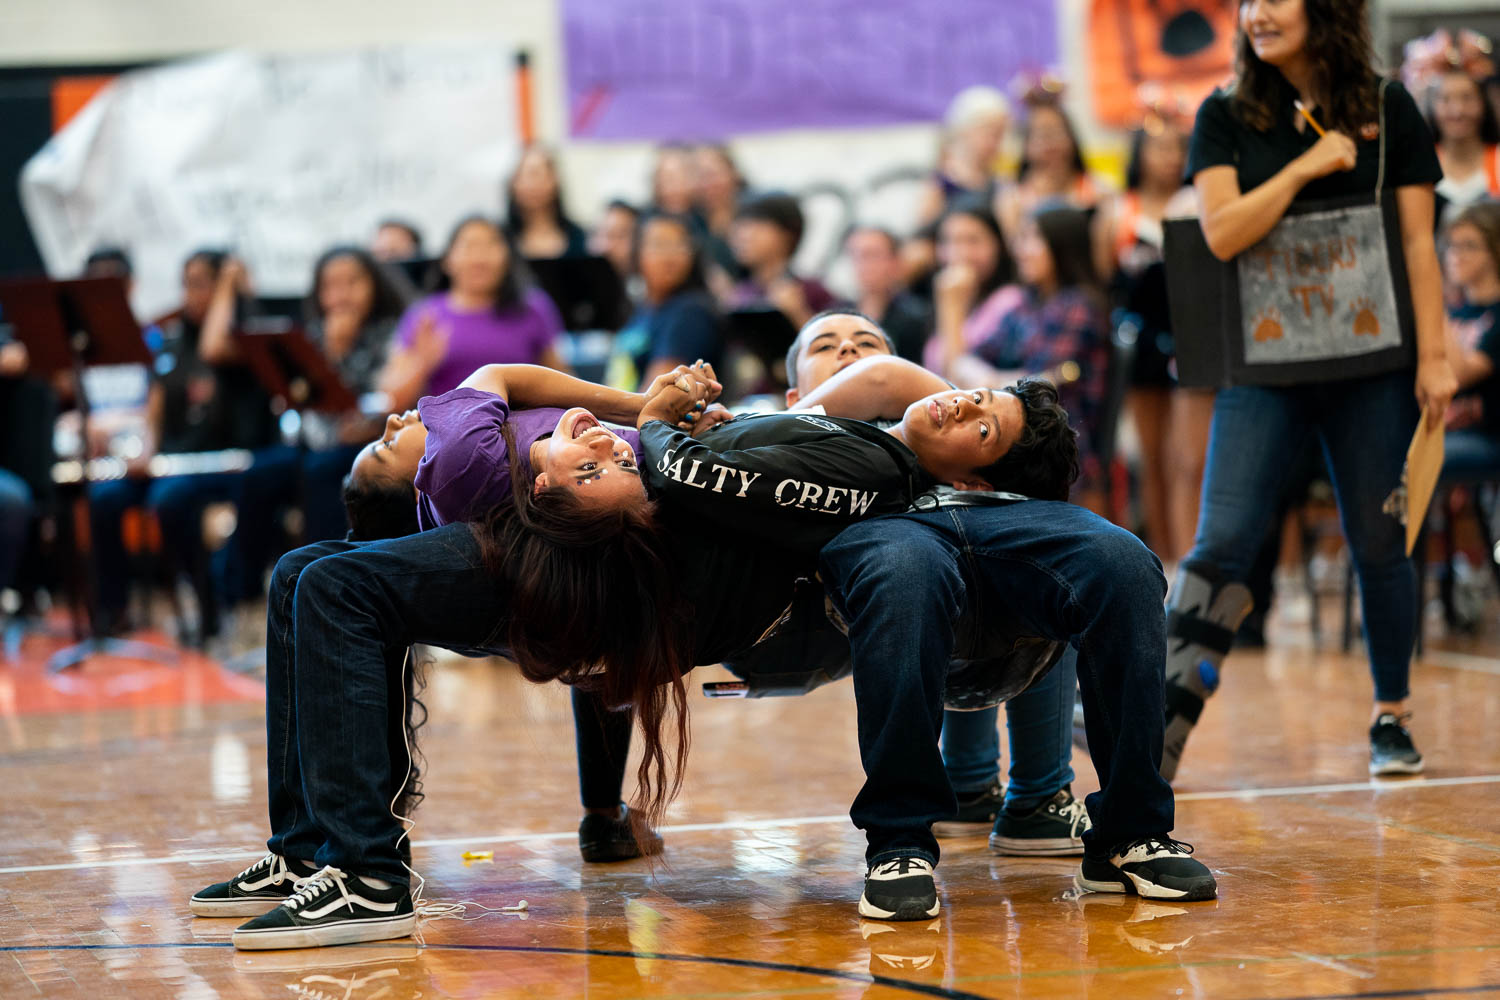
x: 1323, y: 296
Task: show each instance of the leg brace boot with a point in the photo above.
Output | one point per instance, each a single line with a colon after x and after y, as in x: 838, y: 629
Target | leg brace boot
x: 1201, y: 621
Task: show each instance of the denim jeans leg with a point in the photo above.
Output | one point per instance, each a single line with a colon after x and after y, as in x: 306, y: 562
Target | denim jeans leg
x: 356, y: 613
x: 293, y: 833
x: 971, y: 749
x: 1256, y: 435
x: 1039, y: 727
x: 1070, y: 575
x: 896, y: 582
x: 1365, y: 425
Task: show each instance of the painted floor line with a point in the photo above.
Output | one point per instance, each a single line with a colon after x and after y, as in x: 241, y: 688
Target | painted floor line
x: 480, y: 840
x: 1462, y: 661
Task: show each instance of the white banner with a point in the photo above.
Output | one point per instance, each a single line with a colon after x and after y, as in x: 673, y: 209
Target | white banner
x: 275, y: 157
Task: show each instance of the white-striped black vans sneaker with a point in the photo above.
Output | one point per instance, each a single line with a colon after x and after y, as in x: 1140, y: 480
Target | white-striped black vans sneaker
x: 1154, y: 867
x: 899, y: 889
x: 258, y: 889
x: 331, y: 908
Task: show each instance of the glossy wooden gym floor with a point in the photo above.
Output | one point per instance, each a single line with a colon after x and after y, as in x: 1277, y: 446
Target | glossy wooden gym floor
x: 127, y: 786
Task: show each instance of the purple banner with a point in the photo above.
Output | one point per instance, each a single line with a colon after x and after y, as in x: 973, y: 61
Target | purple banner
x: 699, y: 69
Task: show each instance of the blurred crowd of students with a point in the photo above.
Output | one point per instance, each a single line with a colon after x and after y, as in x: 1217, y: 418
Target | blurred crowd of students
x: 1027, y: 271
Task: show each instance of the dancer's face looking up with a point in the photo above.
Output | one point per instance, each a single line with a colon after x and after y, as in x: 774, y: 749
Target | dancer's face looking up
x: 585, y: 456
x: 395, y: 454
x: 958, y: 431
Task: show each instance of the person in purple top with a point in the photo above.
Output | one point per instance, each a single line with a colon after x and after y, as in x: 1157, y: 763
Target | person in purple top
x: 485, y: 312
x: 451, y: 454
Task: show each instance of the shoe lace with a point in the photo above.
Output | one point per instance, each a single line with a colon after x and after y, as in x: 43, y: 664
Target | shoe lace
x: 274, y: 862
x: 1160, y: 845
x: 1076, y: 813
x: 314, y: 885
x: 897, y: 866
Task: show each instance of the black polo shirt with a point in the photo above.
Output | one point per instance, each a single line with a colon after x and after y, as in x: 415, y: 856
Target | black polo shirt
x: 1221, y: 139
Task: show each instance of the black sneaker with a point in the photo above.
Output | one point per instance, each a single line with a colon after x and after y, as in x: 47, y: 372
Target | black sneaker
x: 975, y: 814
x: 899, y: 889
x: 1154, y: 867
x: 331, y: 908
x: 1054, y: 829
x: 602, y: 839
x: 1391, y: 748
x: 258, y: 889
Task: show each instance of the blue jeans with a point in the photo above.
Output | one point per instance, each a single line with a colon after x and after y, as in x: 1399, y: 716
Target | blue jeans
x: 907, y: 585
x: 16, y: 511
x: 178, y: 503
x: 281, y: 476
x: 1039, y: 724
x: 1363, y: 426
x: 339, y: 620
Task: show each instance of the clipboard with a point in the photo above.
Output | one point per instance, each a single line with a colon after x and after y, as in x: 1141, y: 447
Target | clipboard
x: 1419, y: 478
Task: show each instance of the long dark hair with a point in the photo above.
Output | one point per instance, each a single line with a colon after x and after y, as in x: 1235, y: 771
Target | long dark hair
x: 388, y: 302
x: 1338, y: 47
x: 595, y: 603
x: 1066, y: 233
x: 1048, y: 103
x: 511, y: 295
x: 695, y: 280
x: 977, y: 207
x: 1489, y: 128
x: 513, y: 218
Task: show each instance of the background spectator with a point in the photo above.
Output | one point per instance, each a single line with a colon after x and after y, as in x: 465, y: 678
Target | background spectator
x: 485, y: 311
x: 1467, y: 136
x: 535, y: 219
x: 972, y: 292
x: 875, y: 255
x: 678, y: 322
x: 396, y: 241
x: 767, y: 231
x: 1057, y: 330
x: 1471, y: 260
x: 1051, y: 164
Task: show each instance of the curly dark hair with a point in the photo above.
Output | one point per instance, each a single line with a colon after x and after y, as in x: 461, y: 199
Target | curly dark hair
x: 1338, y: 46
x: 595, y: 603
x: 1043, y: 463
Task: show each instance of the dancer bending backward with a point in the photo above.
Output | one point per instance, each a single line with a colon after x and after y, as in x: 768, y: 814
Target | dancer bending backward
x: 468, y: 436
x: 1252, y: 157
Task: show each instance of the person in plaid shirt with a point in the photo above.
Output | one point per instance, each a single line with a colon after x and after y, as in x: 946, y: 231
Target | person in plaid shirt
x: 1059, y: 330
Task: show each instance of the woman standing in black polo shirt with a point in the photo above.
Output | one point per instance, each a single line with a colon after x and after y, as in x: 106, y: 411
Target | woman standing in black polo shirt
x: 1252, y: 156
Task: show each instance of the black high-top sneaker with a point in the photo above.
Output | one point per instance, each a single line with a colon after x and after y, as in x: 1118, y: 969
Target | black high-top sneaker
x: 331, y: 908
x: 976, y: 814
x: 258, y: 889
x: 1053, y: 829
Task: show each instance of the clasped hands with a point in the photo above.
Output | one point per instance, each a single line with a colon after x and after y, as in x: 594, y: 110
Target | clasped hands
x: 686, y: 398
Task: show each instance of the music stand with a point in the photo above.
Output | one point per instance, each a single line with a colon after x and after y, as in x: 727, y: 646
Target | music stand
x: 292, y: 368
x: 69, y: 326
x: 586, y: 290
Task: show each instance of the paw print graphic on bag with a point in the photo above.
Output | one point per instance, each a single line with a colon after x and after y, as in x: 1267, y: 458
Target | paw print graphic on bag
x: 1366, y: 323
x: 1268, y: 325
